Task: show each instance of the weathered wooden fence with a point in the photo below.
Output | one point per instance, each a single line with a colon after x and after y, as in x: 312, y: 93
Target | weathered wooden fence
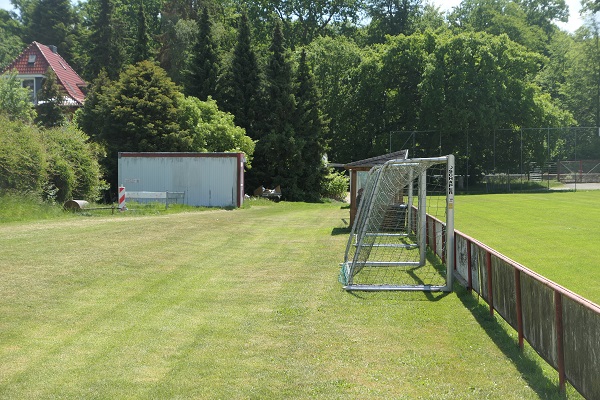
x: 561, y: 326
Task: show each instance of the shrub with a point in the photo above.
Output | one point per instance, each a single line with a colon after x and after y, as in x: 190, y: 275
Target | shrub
x: 73, y: 168
x: 55, y: 164
x: 22, y: 158
x: 335, y: 185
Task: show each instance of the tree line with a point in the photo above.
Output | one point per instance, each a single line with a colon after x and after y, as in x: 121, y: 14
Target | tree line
x: 308, y: 78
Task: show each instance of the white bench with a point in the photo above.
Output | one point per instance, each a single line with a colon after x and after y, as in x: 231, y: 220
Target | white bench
x: 168, y: 197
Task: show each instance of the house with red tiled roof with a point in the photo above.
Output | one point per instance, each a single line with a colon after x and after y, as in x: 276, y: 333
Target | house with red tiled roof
x: 31, y: 66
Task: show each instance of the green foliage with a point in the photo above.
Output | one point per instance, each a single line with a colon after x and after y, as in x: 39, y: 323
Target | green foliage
x: 73, y: 165
x: 335, y: 185
x: 50, y: 107
x: 277, y: 159
x: 242, y: 82
x: 392, y: 18
x: 141, y: 50
x: 310, y: 129
x: 22, y: 158
x: 305, y: 20
x: 53, y: 22
x: 204, y: 68
x: 212, y: 129
x: 144, y: 111
x: 335, y: 62
x: 140, y: 113
x: 92, y: 117
x: 15, y: 100
x: 54, y: 164
x: 106, y: 47
x: 497, y: 18
x: 11, y: 43
x: 21, y: 207
x: 177, y: 42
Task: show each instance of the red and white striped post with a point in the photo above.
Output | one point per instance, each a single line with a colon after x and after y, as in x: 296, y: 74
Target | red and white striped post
x: 122, y: 196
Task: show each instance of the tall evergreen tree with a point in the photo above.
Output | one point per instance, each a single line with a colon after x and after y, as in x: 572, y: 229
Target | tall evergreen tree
x: 53, y: 22
x: 141, y: 49
x: 92, y: 117
x: 277, y: 155
x: 50, y: 109
x: 203, y: 69
x: 141, y: 114
x: 106, y: 49
x: 241, y: 96
x: 310, y: 131
x: 10, y: 38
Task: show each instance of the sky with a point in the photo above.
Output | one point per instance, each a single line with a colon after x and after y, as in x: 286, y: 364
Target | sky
x: 445, y: 5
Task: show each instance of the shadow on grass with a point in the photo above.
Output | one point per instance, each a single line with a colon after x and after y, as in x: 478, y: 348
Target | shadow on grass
x: 525, y: 363
x: 417, y: 280
x: 340, y: 231
x: 395, y: 296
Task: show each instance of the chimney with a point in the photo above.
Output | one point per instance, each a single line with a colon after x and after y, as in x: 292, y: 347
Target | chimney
x: 53, y: 48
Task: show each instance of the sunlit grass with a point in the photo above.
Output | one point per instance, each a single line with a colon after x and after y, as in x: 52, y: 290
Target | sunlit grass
x: 555, y: 234
x: 234, y: 304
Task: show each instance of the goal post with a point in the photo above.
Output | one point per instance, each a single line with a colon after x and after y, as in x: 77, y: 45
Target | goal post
x: 403, y: 235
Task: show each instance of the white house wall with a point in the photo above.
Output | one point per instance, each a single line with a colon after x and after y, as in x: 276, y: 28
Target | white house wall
x: 208, y: 179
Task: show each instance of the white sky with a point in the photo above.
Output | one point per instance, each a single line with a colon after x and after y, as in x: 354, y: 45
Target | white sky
x: 5, y: 4
x: 445, y: 5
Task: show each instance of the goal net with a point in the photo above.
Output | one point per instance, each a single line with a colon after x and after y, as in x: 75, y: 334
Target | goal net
x: 403, y: 234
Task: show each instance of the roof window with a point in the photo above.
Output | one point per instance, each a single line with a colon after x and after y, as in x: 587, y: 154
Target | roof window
x: 31, y: 59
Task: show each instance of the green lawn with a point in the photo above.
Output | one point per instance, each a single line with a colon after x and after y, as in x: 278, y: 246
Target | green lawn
x: 556, y: 234
x: 240, y: 304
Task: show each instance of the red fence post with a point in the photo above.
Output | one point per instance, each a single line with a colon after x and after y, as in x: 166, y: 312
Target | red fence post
x: 488, y: 262
x: 434, y: 235
x: 455, y: 253
x: 559, y: 340
x: 427, y: 231
x: 469, y: 266
x: 519, y: 309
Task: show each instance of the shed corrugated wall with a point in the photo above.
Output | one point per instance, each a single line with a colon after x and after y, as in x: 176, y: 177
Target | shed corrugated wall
x: 208, y: 179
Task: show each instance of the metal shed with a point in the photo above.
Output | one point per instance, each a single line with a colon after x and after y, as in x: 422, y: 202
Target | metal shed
x: 208, y: 179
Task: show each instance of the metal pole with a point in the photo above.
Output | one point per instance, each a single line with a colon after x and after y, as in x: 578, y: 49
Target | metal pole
x: 450, y: 222
x: 423, y: 216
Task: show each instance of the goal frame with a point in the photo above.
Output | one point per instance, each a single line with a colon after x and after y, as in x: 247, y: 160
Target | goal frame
x: 352, y: 265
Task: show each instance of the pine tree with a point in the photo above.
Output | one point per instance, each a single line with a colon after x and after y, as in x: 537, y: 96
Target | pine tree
x: 106, y: 50
x: 203, y: 70
x: 141, y: 50
x: 50, y: 109
x: 277, y: 155
x: 310, y: 132
x: 241, y: 96
x: 52, y: 23
x: 92, y: 117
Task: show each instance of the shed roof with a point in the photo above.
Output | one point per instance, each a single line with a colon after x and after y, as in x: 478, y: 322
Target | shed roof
x: 369, y: 163
x: 36, y: 59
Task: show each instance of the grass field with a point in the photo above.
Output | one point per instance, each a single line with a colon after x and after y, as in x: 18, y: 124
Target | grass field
x: 234, y: 304
x: 555, y: 234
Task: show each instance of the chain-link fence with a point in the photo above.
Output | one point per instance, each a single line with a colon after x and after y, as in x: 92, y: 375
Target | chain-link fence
x: 509, y: 159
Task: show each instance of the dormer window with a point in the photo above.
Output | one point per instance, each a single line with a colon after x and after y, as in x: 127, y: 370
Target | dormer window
x: 31, y: 60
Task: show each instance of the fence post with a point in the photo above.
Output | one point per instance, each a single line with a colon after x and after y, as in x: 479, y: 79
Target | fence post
x: 519, y: 308
x: 488, y: 262
x: 469, y: 266
x: 559, y: 340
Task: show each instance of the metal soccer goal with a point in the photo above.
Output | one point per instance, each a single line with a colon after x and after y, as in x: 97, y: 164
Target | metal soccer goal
x: 403, y: 234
